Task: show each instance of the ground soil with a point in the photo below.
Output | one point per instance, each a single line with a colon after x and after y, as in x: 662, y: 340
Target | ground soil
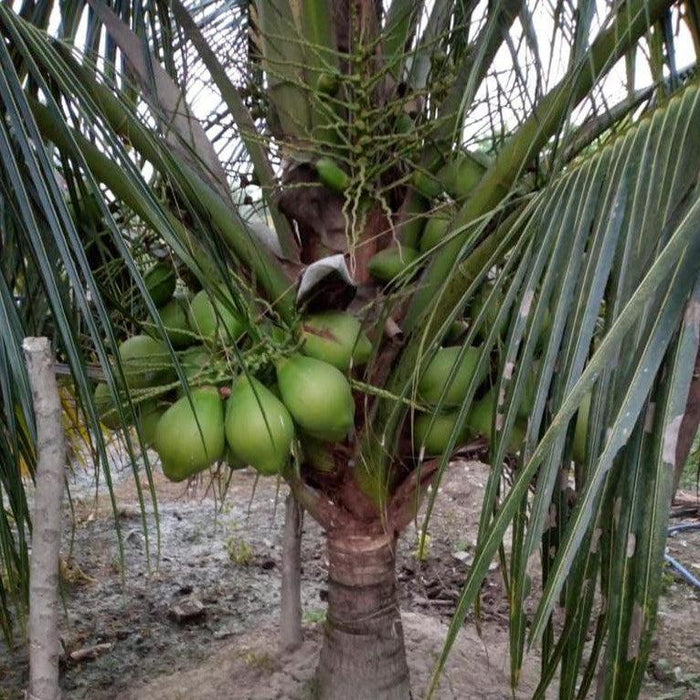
x: 226, y: 557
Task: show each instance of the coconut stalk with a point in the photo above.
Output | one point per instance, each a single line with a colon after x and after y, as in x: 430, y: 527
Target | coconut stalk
x: 363, y: 653
x: 44, y: 645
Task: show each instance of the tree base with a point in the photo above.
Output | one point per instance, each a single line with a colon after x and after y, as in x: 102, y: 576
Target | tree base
x: 363, y: 656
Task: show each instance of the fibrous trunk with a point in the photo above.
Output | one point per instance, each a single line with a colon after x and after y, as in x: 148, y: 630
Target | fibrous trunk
x: 363, y: 653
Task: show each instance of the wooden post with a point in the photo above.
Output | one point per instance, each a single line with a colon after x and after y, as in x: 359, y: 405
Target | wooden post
x: 290, y: 604
x: 46, y: 530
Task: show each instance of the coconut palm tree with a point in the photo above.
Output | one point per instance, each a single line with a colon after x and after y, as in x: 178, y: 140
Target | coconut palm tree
x: 512, y: 241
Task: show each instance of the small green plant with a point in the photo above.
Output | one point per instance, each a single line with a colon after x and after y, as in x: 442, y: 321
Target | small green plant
x: 667, y: 579
x: 422, y: 550
x: 255, y: 659
x: 239, y: 551
x: 314, y: 616
x: 116, y: 564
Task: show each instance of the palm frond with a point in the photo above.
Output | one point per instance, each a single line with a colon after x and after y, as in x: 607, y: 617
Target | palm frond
x: 616, y: 242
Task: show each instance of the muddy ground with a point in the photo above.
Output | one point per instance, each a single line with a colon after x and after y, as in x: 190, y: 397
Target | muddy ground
x: 226, y: 558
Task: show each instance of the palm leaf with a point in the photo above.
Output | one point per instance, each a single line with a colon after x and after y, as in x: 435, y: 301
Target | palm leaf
x: 642, y: 258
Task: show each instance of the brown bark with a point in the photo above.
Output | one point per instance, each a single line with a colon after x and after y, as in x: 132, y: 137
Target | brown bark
x: 363, y: 653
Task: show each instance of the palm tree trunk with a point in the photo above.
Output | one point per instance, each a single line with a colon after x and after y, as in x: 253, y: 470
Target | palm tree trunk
x: 363, y: 653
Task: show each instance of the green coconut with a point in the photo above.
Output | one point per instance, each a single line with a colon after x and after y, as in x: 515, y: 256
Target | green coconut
x: 213, y: 321
x: 318, y: 396
x: 581, y: 429
x: 546, y: 328
x: 461, y: 175
x: 434, y: 438
x: 391, y: 262
x: 106, y: 408
x: 173, y: 316
x: 458, y: 329
x: 414, y: 218
x: 437, y: 374
x: 530, y: 393
x: 362, y: 351
x: 150, y: 413
x: 194, y: 360
x: 335, y: 337
x: 491, y: 313
x: 328, y: 82
x: 428, y: 185
x: 146, y: 362
x: 404, y: 124
x: 259, y: 429
x: 160, y: 280
x: 332, y: 175
x: 435, y: 229
x: 189, y: 437
x: 480, y: 420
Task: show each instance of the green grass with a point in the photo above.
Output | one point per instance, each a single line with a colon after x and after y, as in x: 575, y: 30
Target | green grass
x: 239, y: 551
x: 314, y: 616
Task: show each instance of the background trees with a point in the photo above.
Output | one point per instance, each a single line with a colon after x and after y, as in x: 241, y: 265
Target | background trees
x: 481, y: 198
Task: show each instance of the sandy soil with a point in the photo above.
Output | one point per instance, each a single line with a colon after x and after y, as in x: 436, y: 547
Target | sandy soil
x: 226, y: 556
